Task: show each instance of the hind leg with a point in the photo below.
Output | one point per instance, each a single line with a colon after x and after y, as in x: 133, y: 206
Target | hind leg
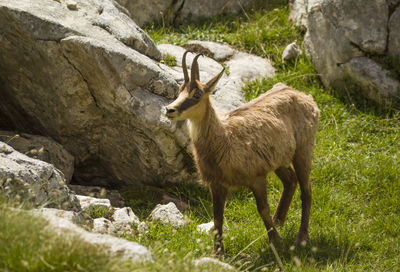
x: 289, y: 181
x: 259, y: 188
x: 302, y: 165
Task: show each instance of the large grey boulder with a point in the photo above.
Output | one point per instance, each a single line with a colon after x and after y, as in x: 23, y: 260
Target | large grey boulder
x: 41, y: 148
x: 35, y: 181
x: 147, y: 11
x: 84, y: 78
x: 341, y: 35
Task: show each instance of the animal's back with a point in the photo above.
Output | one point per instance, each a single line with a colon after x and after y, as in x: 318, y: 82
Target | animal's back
x: 281, y: 103
x: 264, y: 133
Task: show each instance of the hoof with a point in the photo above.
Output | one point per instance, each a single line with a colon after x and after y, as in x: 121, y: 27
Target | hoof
x: 278, y: 222
x: 219, y: 250
x: 275, y: 238
x: 302, y: 240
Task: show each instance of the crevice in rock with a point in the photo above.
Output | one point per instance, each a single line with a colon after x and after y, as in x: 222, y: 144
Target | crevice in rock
x: 104, y: 27
x: 50, y: 40
x: 178, y: 11
x: 393, y: 8
x: 91, y: 92
x: 357, y: 46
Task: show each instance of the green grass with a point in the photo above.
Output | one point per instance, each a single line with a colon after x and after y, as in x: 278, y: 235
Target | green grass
x: 356, y: 182
x: 99, y: 211
x: 169, y: 60
x: 27, y: 245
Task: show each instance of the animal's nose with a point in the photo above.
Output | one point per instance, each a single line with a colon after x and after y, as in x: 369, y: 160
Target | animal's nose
x: 168, y: 110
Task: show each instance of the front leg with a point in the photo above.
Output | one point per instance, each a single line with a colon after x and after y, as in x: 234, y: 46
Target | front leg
x: 218, y: 194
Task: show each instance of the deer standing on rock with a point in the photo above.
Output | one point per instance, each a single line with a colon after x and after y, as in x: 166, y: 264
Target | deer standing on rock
x: 273, y: 133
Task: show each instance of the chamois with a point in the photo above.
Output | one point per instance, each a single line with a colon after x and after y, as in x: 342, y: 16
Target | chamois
x: 274, y: 132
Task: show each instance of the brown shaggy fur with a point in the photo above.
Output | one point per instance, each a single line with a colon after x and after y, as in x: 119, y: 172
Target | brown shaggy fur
x: 269, y: 134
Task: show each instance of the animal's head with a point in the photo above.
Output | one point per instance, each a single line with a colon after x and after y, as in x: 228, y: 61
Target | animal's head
x: 192, y: 94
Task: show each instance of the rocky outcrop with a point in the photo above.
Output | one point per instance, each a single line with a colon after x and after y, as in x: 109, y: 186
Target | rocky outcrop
x: 31, y: 180
x: 41, y: 148
x: 87, y: 78
x: 178, y: 10
x: 353, y: 44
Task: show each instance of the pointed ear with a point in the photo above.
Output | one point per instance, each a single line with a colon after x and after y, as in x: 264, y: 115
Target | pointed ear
x: 210, y: 86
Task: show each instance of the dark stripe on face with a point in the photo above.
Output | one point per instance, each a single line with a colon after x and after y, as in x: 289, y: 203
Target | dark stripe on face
x: 187, y: 103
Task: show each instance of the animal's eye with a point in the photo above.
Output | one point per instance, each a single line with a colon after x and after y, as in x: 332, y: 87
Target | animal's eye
x: 197, y: 94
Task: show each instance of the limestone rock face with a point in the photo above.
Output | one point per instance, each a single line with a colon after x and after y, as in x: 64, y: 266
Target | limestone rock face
x: 147, y: 11
x: 343, y: 34
x: 41, y: 148
x: 394, y: 34
x: 87, y: 78
x: 33, y: 180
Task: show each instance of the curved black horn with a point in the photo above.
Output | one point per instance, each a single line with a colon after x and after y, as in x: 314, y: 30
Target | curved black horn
x: 195, y: 75
x: 184, y: 67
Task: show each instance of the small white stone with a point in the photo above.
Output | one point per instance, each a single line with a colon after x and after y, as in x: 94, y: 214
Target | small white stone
x: 87, y: 201
x: 123, y: 219
x: 206, y: 227
x: 213, y: 261
x: 291, y: 51
x: 168, y: 214
x: 103, y: 225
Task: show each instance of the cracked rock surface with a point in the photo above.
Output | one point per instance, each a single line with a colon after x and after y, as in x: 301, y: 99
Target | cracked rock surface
x: 41, y: 148
x: 350, y: 43
x: 34, y: 181
x: 88, y: 79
